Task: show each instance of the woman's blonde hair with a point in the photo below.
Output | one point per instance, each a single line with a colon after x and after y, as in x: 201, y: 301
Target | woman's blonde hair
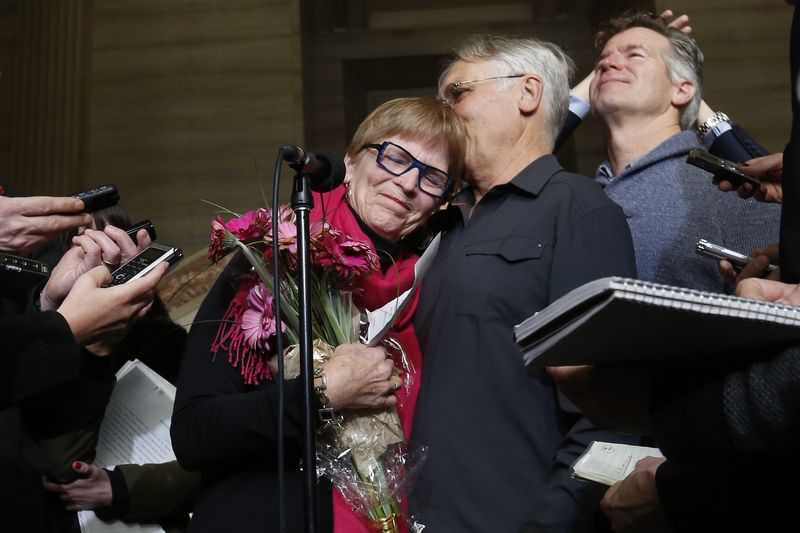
x: 422, y: 119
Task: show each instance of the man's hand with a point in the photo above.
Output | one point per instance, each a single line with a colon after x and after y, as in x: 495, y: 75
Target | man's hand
x: 769, y: 169
x: 679, y: 23
x: 756, y: 268
x: 91, y: 491
x: 28, y: 222
x: 770, y: 291
x: 632, y: 505
x: 612, y: 397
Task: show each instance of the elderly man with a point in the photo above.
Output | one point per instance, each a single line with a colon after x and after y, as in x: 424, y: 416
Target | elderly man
x: 522, y: 234
x: 646, y: 91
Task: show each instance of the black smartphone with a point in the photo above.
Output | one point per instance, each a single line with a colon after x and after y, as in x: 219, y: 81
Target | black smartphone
x: 145, y: 261
x: 721, y: 168
x: 715, y: 251
x: 16, y: 272
x: 98, y: 198
x: 144, y: 224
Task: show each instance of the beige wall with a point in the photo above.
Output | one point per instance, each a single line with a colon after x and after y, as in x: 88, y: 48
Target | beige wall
x: 746, y: 48
x: 190, y: 100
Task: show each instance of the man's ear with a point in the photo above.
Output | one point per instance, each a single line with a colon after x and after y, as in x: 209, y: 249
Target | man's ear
x: 683, y: 93
x: 530, y: 97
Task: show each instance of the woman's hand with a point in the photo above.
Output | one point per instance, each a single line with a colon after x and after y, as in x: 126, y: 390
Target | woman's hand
x: 110, y: 247
x: 91, y: 491
x: 94, y: 312
x: 360, y: 377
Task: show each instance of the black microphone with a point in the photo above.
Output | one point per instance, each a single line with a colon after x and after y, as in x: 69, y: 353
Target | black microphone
x: 325, y: 169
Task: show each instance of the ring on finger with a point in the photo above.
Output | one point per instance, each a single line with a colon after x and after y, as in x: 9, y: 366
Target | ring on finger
x: 110, y: 264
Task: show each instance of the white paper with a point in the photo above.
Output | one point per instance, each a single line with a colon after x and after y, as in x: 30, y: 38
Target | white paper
x: 380, y: 320
x: 135, y: 430
x: 609, y: 462
x: 91, y: 524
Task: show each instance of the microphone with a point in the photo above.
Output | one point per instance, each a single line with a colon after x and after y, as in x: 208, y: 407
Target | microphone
x: 325, y: 169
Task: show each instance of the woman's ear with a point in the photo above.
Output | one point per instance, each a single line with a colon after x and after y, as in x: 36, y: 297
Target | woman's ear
x: 349, y: 165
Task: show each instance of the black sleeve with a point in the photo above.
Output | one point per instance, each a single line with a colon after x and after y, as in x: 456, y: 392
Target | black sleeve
x: 751, y: 412
x: 790, y: 214
x: 570, y: 124
x: 150, y: 492
x: 40, y: 352
x: 591, y: 246
x: 737, y: 145
x: 120, y: 497
x: 217, y: 421
x: 736, y: 496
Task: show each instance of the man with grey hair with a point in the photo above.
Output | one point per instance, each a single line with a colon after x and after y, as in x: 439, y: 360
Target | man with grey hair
x: 646, y: 91
x: 523, y: 233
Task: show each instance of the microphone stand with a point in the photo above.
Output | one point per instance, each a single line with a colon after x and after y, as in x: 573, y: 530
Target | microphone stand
x: 302, y: 203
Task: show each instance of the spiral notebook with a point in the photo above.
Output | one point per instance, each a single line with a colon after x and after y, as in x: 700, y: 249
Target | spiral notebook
x: 621, y: 320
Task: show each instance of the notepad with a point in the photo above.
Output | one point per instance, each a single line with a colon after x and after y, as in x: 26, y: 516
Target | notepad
x: 609, y: 462
x: 622, y: 320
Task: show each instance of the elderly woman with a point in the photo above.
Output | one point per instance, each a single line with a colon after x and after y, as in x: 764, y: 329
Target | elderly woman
x: 402, y: 164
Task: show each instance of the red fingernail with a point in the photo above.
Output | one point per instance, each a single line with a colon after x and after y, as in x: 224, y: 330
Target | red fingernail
x: 76, y: 465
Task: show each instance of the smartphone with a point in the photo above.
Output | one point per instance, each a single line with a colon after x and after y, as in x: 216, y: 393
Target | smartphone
x: 144, y: 224
x: 98, y: 198
x: 16, y: 272
x: 146, y: 261
x: 715, y: 251
x: 721, y: 168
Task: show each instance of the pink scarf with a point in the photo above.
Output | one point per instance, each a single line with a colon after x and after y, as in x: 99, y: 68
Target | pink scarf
x: 377, y: 289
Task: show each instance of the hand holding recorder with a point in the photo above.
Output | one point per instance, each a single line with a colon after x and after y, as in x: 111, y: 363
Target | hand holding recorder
x: 735, y: 266
x: 767, y: 170
x: 95, y: 313
x: 110, y: 247
x: 28, y: 222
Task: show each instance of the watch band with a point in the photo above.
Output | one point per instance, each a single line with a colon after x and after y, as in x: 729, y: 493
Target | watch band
x: 716, y: 118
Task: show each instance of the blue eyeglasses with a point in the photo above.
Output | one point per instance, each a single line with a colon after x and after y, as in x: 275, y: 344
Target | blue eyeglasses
x: 396, y: 160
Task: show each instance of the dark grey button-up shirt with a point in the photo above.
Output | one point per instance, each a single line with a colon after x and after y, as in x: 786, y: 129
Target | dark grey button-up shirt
x: 501, y: 441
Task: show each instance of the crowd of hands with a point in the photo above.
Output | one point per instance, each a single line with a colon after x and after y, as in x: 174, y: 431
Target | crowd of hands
x: 99, y: 315
x: 77, y: 287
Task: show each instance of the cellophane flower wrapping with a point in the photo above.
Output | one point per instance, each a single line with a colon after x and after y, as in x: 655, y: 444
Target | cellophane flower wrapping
x: 364, y: 454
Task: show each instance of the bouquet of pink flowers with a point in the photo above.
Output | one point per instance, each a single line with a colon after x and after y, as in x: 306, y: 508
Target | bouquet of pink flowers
x: 364, y: 454
x: 337, y: 261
